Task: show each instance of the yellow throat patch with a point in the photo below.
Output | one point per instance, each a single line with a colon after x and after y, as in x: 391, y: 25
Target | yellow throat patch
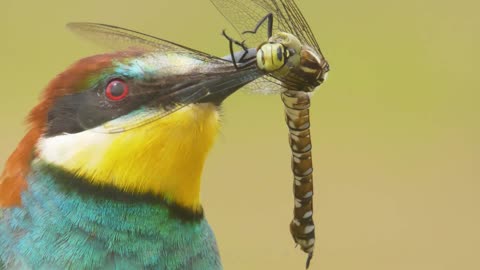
x: 165, y: 157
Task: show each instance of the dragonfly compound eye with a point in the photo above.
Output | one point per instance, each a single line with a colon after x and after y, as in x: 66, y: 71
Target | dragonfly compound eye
x: 271, y: 57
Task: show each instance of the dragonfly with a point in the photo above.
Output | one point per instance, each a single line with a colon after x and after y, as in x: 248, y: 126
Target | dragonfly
x: 291, y: 58
x: 277, y: 53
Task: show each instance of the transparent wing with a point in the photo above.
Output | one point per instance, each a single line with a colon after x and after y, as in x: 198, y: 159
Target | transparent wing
x: 188, y: 90
x: 291, y: 18
x: 119, y: 38
x: 214, y: 75
x: 245, y: 14
x: 265, y: 85
x: 146, y: 115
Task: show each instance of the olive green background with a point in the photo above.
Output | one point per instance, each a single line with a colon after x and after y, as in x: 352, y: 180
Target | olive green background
x: 395, y: 128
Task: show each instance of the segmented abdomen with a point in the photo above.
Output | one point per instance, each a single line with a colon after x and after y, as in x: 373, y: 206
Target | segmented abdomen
x: 297, y: 116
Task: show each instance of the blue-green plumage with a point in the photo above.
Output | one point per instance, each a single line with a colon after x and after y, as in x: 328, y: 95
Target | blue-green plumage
x: 59, y: 226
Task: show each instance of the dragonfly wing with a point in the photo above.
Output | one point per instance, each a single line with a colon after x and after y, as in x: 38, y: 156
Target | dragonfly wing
x: 175, y: 94
x: 245, y: 14
x: 266, y: 85
x: 291, y: 20
x: 121, y: 38
x: 210, y: 76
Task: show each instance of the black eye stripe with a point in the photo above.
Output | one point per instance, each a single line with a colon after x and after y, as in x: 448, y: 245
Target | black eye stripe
x: 102, y: 103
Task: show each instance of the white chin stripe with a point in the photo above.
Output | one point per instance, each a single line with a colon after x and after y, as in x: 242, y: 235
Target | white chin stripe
x: 62, y: 148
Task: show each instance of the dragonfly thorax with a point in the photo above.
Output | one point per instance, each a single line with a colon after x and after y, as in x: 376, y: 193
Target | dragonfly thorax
x: 313, y: 66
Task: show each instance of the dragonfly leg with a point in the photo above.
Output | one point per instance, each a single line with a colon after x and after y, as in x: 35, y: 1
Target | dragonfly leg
x: 269, y: 19
x: 242, y: 58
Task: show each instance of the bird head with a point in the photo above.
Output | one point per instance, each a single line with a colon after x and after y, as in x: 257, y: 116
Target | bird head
x: 107, y: 120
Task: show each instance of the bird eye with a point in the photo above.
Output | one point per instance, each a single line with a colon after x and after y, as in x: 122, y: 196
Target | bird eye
x: 116, y: 90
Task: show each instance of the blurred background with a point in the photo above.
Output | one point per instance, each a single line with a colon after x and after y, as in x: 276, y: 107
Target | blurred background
x: 395, y: 128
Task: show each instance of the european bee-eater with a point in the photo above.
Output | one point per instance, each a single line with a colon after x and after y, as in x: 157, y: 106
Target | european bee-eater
x: 108, y: 174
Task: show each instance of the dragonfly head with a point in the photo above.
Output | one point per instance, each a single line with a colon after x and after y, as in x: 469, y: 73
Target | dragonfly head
x: 280, y: 49
x: 287, y: 59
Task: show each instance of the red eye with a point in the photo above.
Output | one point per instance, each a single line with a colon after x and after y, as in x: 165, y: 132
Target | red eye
x: 116, y: 90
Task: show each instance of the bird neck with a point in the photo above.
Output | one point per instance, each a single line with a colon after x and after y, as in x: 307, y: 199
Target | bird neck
x: 132, y: 233
x: 164, y: 158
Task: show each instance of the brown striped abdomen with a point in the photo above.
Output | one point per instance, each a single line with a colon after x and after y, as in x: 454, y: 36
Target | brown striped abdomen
x: 302, y: 228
